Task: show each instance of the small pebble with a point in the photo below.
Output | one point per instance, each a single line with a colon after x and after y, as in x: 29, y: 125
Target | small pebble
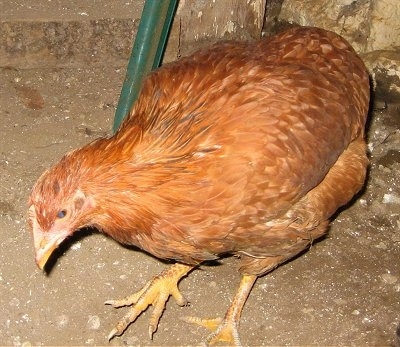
x: 76, y: 246
x: 62, y: 321
x: 391, y: 199
x: 381, y: 245
x: 389, y: 279
x: 93, y: 323
x: 26, y: 317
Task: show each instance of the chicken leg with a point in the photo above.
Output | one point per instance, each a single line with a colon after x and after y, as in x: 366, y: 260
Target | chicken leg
x: 226, y: 329
x: 156, y: 292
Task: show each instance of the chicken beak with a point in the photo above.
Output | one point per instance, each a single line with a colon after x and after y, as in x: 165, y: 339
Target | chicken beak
x: 45, y: 242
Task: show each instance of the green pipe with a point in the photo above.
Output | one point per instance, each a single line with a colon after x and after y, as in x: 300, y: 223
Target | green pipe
x: 164, y: 33
x: 147, y: 52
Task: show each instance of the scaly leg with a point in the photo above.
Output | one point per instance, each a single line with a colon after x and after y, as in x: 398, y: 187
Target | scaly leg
x: 156, y: 292
x: 226, y: 330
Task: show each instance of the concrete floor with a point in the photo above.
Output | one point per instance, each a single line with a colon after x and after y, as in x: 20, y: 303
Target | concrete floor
x: 345, y: 291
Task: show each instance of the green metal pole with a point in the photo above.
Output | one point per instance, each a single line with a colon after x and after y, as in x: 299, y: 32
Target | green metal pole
x: 147, y: 52
x: 164, y: 33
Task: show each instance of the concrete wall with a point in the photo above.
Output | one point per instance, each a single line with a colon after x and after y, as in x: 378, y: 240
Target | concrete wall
x: 58, y: 33
x: 371, y: 26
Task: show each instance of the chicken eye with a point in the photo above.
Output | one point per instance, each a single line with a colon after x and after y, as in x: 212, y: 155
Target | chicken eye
x: 61, y: 214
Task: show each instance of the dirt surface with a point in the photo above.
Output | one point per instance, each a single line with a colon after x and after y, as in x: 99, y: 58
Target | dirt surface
x: 344, y: 291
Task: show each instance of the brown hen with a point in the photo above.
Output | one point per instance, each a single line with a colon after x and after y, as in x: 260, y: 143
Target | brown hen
x: 241, y: 148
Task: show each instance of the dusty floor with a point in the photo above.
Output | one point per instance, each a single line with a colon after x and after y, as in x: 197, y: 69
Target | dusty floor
x: 344, y: 291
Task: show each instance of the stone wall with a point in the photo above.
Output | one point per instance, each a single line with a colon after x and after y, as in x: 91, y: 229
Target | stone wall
x: 64, y: 33
x: 371, y: 26
x: 101, y: 32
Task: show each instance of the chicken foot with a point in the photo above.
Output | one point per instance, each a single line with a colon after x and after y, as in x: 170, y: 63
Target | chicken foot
x: 226, y: 329
x: 156, y: 293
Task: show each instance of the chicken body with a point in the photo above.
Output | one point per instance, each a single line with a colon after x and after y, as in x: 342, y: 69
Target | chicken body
x: 241, y: 148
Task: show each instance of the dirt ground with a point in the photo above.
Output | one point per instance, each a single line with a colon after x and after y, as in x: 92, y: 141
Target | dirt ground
x: 345, y: 291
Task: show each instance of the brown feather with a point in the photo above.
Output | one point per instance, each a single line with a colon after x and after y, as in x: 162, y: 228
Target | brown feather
x: 242, y: 148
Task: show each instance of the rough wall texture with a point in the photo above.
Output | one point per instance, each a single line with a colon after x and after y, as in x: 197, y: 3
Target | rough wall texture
x: 371, y: 26
x: 99, y: 31
x: 65, y: 43
x: 385, y: 25
x: 197, y: 23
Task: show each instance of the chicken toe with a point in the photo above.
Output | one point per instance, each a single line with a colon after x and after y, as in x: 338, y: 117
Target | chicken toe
x: 226, y: 329
x: 156, y: 293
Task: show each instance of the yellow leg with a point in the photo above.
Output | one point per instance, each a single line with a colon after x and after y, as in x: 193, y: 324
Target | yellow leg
x: 226, y: 330
x: 156, y: 293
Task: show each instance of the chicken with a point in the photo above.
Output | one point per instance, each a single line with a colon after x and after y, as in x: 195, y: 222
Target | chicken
x: 242, y: 148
